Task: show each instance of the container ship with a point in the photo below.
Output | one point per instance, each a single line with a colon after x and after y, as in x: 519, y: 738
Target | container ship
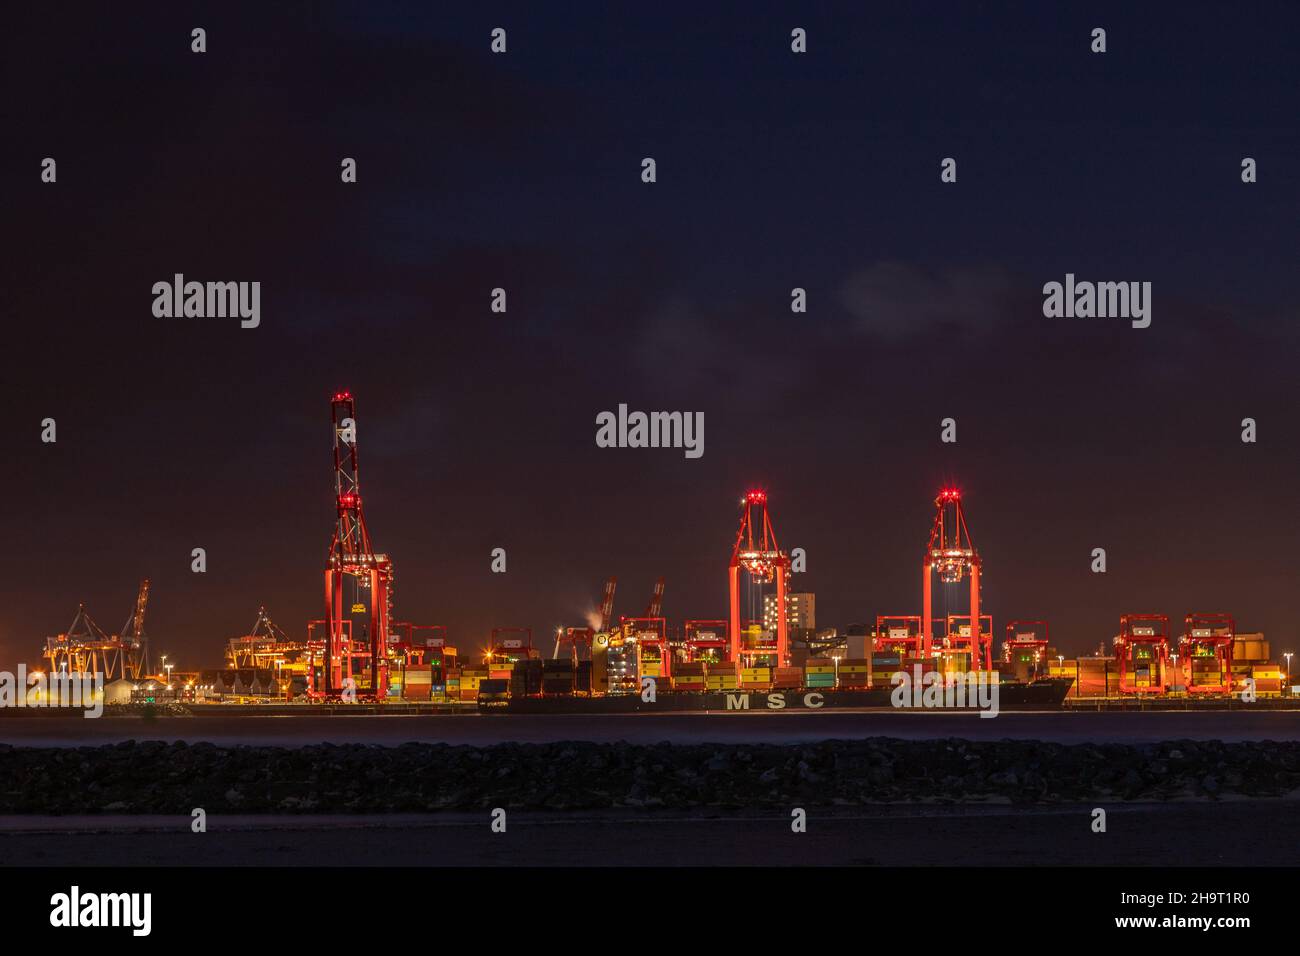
x: 765, y: 655
x: 569, y: 687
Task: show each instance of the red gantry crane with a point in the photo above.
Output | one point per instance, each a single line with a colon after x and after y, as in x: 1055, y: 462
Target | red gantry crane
x: 1206, y: 649
x: 957, y: 635
x: 704, y: 640
x: 415, y: 642
x: 951, y: 554
x: 1026, y: 647
x: 509, y: 645
x: 898, y: 632
x: 1142, y: 653
x: 757, y: 552
x: 650, y: 631
x: 358, y: 582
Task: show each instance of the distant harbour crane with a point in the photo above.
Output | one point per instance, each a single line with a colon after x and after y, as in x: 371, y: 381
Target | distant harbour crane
x: 86, y: 648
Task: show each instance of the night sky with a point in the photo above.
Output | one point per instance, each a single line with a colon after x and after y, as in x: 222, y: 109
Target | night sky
x: 775, y: 170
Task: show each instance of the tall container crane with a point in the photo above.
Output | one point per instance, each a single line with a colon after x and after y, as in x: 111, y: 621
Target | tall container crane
x: 951, y: 554
x: 756, y: 552
x: 358, y: 582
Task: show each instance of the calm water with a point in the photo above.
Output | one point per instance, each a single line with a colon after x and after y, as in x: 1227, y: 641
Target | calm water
x: 653, y: 728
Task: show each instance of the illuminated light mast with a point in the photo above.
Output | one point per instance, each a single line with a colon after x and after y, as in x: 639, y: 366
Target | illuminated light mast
x: 757, y: 552
x: 952, y: 555
x: 352, y: 559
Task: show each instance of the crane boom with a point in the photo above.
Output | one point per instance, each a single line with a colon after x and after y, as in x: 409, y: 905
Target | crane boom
x: 133, y: 629
x: 656, y: 606
x: 607, y: 604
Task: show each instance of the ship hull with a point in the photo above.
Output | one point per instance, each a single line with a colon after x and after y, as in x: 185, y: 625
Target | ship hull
x: 1046, y: 694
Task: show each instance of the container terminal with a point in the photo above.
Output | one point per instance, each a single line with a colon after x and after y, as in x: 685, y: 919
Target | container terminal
x: 360, y: 652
